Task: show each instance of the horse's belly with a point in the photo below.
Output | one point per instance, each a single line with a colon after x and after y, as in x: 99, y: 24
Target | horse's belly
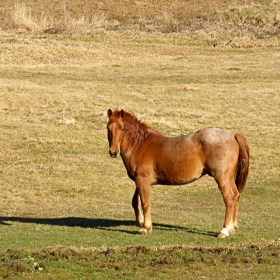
x: 179, y: 175
x: 176, y: 181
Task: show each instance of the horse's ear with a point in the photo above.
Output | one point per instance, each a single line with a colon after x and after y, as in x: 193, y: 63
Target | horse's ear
x: 109, y: 113
x: 122, y: 113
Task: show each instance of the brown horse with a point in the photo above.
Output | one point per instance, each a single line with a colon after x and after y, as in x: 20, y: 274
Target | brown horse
x: 151, y: 158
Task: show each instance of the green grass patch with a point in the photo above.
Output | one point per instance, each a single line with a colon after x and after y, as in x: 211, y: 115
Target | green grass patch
x: 253, y: 260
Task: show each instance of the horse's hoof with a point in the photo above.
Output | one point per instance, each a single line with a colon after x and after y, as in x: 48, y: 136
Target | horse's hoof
x: 225, y: 232
x: 222, y: 235
x: 144, y: 231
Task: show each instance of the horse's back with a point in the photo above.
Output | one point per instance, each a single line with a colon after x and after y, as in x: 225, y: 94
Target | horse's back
x: 200, y: 146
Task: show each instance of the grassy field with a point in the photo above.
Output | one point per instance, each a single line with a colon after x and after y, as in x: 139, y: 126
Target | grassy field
x: 65, y: 209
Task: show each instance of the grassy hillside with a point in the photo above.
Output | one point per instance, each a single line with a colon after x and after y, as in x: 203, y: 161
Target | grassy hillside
x: 217, y: 22
x: 128, y: 11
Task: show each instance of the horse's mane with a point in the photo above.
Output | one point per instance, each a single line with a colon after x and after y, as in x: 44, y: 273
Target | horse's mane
x: 135, y: 129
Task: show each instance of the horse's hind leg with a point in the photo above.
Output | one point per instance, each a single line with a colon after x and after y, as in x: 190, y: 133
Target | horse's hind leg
x: 231, y: 197
x: 136, y: 204
x: 235, y: 213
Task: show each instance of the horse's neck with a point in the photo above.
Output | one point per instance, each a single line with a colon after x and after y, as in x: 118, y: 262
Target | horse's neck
x: 127, y: 150
x: 129, y: 144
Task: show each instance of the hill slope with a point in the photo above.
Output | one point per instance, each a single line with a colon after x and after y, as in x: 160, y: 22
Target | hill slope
x: 84, y: 16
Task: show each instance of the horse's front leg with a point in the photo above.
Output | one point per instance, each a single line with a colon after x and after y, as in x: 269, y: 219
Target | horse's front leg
x: 136, y: 204
x: 144, y: 191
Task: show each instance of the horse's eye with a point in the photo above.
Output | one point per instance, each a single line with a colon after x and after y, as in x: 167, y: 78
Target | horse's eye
x: 122, y: 129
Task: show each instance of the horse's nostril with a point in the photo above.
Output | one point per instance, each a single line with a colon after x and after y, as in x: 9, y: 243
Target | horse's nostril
x: 114, y: 154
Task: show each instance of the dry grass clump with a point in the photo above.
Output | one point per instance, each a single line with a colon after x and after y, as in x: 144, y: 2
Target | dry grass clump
x: 24, y: 18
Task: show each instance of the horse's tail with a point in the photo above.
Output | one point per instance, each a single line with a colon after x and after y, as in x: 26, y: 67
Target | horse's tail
x: 243, y: 162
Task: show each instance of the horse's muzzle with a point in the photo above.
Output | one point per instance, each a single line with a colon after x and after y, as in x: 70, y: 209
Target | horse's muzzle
x: 114, y: 154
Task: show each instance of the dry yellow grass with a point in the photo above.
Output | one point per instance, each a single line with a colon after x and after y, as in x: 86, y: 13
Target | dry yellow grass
x: 46, y: 82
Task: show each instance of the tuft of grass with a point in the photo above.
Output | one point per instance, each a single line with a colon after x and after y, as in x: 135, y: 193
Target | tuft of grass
x: 24, y: 17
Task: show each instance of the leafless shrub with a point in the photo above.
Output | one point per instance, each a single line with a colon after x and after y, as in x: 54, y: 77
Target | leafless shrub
x: 23, y: 17
x: 85, y: 24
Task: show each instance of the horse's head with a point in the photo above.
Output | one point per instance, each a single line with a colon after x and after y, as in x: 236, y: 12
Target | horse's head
x: 115, y: 129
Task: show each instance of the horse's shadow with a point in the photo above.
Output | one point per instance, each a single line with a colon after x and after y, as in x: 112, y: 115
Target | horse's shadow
x: 104, y: 224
